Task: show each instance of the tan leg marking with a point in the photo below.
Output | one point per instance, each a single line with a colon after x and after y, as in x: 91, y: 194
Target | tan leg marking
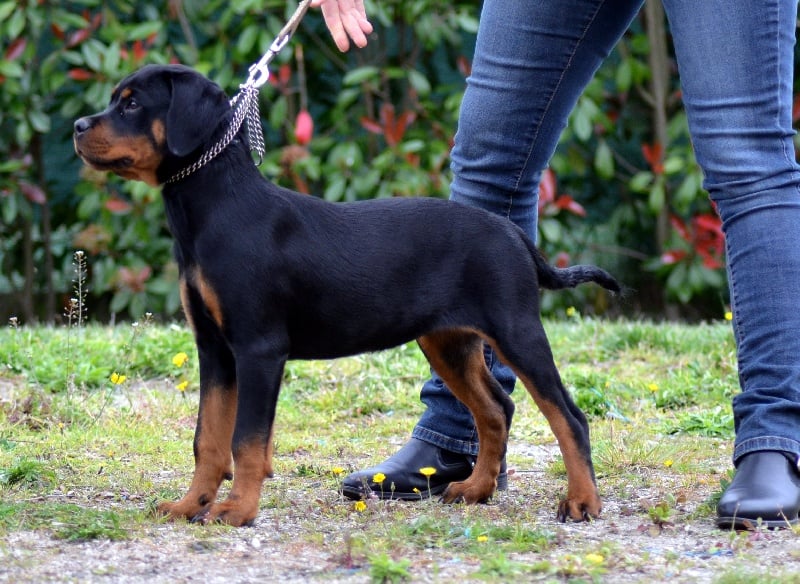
x: 212, y: 446
x: 468, y: 381
x: 241, y: 506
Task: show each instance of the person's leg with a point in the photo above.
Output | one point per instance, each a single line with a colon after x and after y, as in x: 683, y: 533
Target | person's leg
x: 532, y: 61
x: 736, y: 63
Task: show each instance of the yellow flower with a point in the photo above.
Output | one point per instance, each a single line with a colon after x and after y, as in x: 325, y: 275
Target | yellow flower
x: 728, y: 315
x: 180, y: 359
x: 427, y: 471
x: 416, y: 490
x: 652, y: 387
x: 118, y: 379
x: 360, y: 506
x: 337, y: 470
x: 668, y: 463
x: 482, y: 538
x: 182, y: 386
x: 379, y: 477
x: 571, y: 311
x: 595, y: 558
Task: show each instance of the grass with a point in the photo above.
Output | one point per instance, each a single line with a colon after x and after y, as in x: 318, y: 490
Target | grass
x: 84, y: 453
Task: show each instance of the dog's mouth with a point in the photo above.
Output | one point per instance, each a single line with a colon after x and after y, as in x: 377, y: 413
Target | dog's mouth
x: 98, y: 161
x: 102, y: 164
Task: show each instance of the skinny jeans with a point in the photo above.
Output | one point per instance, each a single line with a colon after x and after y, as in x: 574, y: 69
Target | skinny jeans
x: 533, y: 59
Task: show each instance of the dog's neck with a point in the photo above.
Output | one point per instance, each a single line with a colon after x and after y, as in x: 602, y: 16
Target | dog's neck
x: 244, y: 107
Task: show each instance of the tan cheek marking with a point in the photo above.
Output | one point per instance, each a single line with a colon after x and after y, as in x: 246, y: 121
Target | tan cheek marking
x: 145, y: 158
x: 101, y: 144
x: 159, y: 132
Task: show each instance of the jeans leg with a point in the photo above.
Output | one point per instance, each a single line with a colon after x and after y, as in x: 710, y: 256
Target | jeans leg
x: 533, y: 58
x: 736, y: 63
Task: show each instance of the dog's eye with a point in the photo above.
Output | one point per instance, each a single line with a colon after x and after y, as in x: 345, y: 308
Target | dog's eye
x: 131, y: 106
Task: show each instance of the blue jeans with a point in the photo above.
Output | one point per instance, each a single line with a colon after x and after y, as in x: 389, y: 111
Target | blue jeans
x: 533, y: 58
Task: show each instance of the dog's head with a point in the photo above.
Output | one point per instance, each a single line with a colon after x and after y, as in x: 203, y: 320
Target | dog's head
x: 157, y: 119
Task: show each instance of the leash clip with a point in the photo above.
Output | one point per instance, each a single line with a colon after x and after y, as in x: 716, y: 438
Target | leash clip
x: 259, y: 72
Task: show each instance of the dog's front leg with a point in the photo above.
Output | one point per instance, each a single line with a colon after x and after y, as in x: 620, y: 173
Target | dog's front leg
x: 216, y: 416
x: 259, y: 382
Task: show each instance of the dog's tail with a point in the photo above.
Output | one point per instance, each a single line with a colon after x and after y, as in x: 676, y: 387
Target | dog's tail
x: 554, y: 278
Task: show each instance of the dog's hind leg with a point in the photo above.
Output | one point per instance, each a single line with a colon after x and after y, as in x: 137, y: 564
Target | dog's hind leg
x: 457, y: 356
x: 528, y: 353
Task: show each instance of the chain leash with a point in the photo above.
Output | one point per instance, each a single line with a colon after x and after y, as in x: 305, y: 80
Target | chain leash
x: 245, y: 102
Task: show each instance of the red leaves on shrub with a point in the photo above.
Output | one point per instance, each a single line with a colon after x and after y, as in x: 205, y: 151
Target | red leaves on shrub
x: 16, y: 48
x: 117, y: 205
x: 79, y: 74
x: 34, y: 193
x: 654, y: 156
x: 704, y: 234
x: 134, y: 279
x: 77, y: 37
x: 283, y: 76
x: 796, y: 108
x: 464, y: 66
x: 391, y: 126
x: 550, y: 203
x: 562, y: 260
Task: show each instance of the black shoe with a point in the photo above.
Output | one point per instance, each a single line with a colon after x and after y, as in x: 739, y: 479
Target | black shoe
x: 403, y: 479
x: 765, y: 491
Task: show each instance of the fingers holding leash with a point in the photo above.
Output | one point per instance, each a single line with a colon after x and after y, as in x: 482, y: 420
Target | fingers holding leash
x: 346, y: 20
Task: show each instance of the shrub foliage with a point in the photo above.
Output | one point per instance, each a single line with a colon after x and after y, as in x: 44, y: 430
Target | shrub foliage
x: 623, y: 191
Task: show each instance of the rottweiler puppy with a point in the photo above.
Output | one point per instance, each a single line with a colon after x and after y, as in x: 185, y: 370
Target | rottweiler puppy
x: 267, y: 274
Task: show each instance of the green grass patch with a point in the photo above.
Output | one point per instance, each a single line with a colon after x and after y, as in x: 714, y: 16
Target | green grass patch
x: 85, y: 457
x: 69, y: 522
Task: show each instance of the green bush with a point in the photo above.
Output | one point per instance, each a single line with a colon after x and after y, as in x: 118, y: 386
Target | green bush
x: 625, y: 190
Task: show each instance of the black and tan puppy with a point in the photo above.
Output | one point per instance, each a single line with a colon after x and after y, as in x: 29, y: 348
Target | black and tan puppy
x: 269, y: 275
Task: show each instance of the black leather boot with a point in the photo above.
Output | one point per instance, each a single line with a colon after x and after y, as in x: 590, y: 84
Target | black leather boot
x: 402, y: 470
x: 766, y: 487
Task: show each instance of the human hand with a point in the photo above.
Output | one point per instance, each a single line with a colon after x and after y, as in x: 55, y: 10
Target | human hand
x: 346, y: 20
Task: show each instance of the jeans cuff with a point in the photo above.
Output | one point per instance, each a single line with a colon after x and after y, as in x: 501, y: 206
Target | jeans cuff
x: 776, y: 443
x: 445, y: 442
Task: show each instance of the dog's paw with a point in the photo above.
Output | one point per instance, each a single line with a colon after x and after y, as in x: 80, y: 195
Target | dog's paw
x: 182, y: 509
x: 579, y: 509
x: 470, y: 491
x: 228, y: 512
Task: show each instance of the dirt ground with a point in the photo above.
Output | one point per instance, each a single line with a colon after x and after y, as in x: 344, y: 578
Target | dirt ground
x: 278, y: 548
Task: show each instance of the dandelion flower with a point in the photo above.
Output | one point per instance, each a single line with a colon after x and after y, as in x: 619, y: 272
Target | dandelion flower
x: 337, y: 470
x: 182, y: 386
x: 427, y: 471
x: 652, y: 387
x: 378, y: 478
x: 482, y: 538
x: 728, y: 315
x: 668, y: 463
x: 595, y: 558
x: 180, y: 359
x: 416, y: 490
x: 572, y: 311
x: 360, y: 506
x: 117, y: 378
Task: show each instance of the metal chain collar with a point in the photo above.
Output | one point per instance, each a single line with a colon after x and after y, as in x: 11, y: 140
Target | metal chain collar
x: 245, y: 103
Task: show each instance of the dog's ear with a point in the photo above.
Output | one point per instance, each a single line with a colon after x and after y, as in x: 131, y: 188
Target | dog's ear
x: 195, y: 111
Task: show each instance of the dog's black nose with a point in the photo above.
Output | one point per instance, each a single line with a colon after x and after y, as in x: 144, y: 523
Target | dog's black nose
x: 81, y: 125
